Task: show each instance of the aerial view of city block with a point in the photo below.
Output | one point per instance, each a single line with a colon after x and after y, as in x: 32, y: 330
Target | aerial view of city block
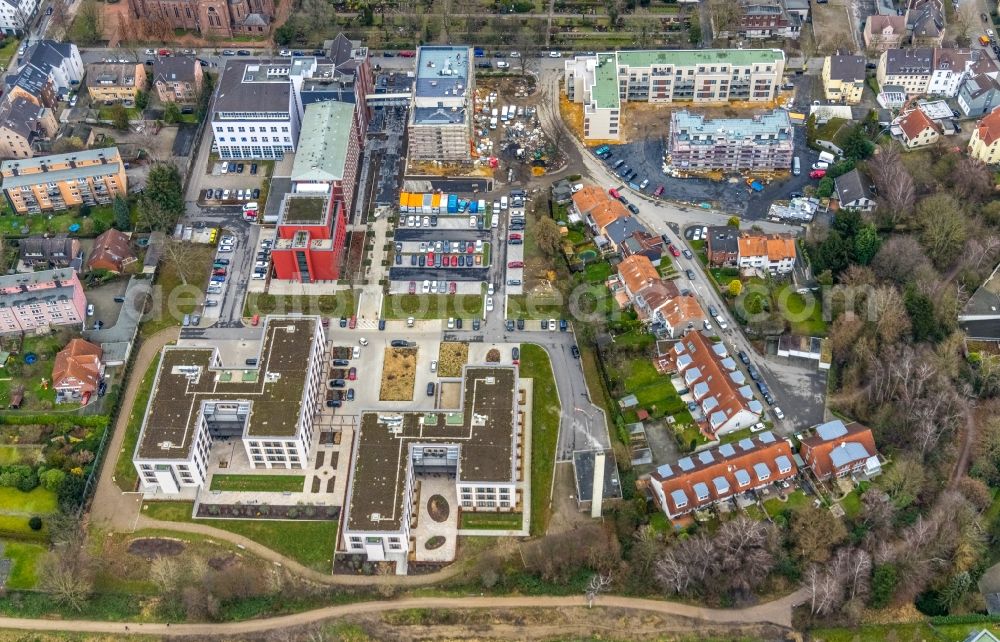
x: 621, y: 320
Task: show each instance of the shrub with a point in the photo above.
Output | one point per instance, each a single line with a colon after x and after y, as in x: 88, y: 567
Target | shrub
x: 35, y: 523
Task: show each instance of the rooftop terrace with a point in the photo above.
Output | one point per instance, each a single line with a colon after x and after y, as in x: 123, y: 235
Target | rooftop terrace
x: 304, y: 209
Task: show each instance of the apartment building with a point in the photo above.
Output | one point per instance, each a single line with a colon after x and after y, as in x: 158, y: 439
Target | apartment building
x: 774, y: 253
x: 836, y: 450
x: 328, y: 159
x: 62, y: 181
x: 23, y: 123
x: 884, y: 32
x: 602, y: 82
x: 223, y: 19
x: 346, y: 76
x: 950, y: 69
x: 440, y: 125
x: 48, y: 61
x: 844, y: 78
x: 256, y: 115
x: 925, y: 20
x: 115, y: 82
x: 721, y: 473
x: 766, y: 19
x: 309, y: 244
x: 980, y: 92
x: 77, y: 372
x: 269, y: 407
x: 910, y: 69
x: 477, y: 445
x: 717, y: 385
x: 15, y: 15
x: 731, y: 144
x: 985, y: 141
x: 177, y: 79
x: 36, y: 301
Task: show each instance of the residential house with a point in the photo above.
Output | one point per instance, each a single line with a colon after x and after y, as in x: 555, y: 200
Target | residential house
x: 680, y: 314
x: 23, y: 124
x: 985, y: 142
x: 36, y: 301
x: 925, y: 22
x: 854, y: 191
x: 884, y: 32
x: 652, y: 298
x: 844, y: 78
x: 910, y: 69
x: 598, y: 208
x: 50, y: 252
x: 760, y: 142
x: 721, y: 473
x: 980, y: 92
x: 836, y: 450
x: 798, y: 8
x: 771, y: 252
x: 602, y: 81
x: 635, y: 273
x: 178, y: 79
x: 716, y: 384
x: 562, y: 191
x: 77, y: 372
x: 60, y: 181
x: 950, y: 69
x: 15, y: 16
x: 620, y: 230
x: 214, y: 19
x: 440, y: 124
x: 643, y: 243
x: 48, y: 61
x: 115, y: 82
x: 112, y: 251
x: 766, y: 19
x: 722, y: 246
x: 916, y: 130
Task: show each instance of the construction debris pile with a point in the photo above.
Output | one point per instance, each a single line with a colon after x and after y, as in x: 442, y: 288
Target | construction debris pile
x: 510, y: 132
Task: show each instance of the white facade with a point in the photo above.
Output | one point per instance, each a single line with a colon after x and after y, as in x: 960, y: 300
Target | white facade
x: 781, y: 266
x: 945, y: 82
x: 253, y: 135
x: 15, y: 14
x: 171, y: 475
x: 69, y: 72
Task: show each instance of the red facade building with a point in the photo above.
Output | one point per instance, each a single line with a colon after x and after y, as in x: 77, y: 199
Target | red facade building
x: 310, y: 239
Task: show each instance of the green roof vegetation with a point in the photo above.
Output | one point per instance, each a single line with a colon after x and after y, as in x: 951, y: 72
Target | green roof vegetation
x: 305, y: 209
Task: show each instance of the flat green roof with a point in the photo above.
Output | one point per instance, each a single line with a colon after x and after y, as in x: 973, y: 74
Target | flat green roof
x: 323, y: 145
x: 687, y: 57
x: 605, y: 91
x: 304, y: 209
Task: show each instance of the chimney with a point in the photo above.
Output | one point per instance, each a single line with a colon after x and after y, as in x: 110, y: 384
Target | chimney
x: 597, y: 494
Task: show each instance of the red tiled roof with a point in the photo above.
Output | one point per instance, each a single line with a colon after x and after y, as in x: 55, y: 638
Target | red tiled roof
x: 716, y: 378
x: 80, y: 360
x: 636, y: 272
x: 989, y: 127
x: 817, y: 451
x: 914, y: 123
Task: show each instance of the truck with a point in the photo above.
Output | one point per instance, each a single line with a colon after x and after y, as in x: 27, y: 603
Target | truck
x: 827, y: 157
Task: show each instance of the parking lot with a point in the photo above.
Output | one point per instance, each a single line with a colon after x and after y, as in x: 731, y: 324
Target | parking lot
x: 230, y: 186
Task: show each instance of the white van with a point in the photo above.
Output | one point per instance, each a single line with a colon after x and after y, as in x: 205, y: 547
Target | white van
x: 472, y: 221
x: 496, y: 221
x: 796, y: 166
x: 503, y: 202
x: 493, y: 122
x: 827, y: 157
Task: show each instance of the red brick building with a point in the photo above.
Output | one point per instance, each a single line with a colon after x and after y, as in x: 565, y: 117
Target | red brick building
x: 835, y: 450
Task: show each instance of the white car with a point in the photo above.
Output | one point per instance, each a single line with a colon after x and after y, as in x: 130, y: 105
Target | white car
x: 150, y: 52
x: 284, y: 53
x: 90, y: 309
x: 502, y: 64
x: 555, y: 54
x: 778, y: 413
x: 489, y: 289
x: 708, y: 326
x: 223, y: 249
x: 426, y: 288
x: 757, y: 427
x: 451, y: 324
x: 489, y: 304
x: 434, y: 366
x: 552, y: 325
x: 821, y: 165
x: 515, y: 54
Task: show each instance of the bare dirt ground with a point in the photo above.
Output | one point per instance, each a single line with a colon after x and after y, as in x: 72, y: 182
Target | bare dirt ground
x: 399, y: 371
x: 565, y: 514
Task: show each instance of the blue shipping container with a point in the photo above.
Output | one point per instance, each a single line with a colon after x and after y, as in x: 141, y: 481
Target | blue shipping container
x: 478, y: 52
x: 452, y: 203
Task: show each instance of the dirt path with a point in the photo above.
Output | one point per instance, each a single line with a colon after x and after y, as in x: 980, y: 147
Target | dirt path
x: 777, y: 612
x: 962, y: 465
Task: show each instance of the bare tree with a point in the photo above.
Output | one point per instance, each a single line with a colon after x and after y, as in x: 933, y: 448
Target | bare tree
x: 67, y: 573
x: 896, y: 191
x: 597, y: 585
x: 943, y: 227
x: 962, y: 22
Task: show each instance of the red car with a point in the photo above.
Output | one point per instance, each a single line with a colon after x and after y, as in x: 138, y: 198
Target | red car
x: 353, y: 323
x: 413, y: 287
x: 454, y: 260
x: 407, y: 54
x: 674, y: 250
x: 614, y: 193
x: 516, y: 264
x: 352, y: 374
x: 163, y: 52
x: 515, y: 236
x: 817, y: 173
x: 659, y: 190
x: 430, y: 259
x: 452, y: 287
x: 219, y: 272
x: 470, y: 248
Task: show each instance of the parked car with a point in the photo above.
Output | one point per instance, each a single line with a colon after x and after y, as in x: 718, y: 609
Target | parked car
x: 817, y: 173
x: 575, y: 351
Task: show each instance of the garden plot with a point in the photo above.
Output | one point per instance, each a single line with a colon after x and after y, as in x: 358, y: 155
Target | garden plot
x: 399, y: 373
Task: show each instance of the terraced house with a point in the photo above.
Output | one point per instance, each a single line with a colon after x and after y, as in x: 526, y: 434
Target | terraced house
x: 602, y: 82
x: 61, y: 181
x: 198, y: 397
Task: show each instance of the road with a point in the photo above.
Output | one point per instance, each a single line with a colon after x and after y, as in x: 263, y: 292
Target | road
x: 777, y: 612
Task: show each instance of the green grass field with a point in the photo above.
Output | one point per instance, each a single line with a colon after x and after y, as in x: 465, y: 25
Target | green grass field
x: 100, y: 218
x: 309, y: 543
x: 38, y: 502
x: 492, y: 521
x: 795, y: 501
x: 25, y: 557
x: 545, y: 412
x: 14, y: 454
x: 805, y: 321
x: 901, y: 632
x: 176, y: 302
x: 433, y: 306
x: 125, y: 473
x: 653, y: 390
x: 259, y: 483
x: 526, y: 306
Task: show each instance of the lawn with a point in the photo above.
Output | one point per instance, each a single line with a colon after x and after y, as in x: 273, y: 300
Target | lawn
x: 545, y: 412
x: 432, y: 306
x: 399, y: 374
x: 105, y: 113
x: 598, y: 272
x: 259, y: 483
x: 309, y: 543
x: 492, y: 521
x: 25, y: 557
x: 341, y: 304
x: 38, y: 394
x: 635, y: 338
x: 805, y: 316
x: 795, y: 501
x: 851, y: 503
x: 533, y: 306
x: 8, y: 51
x: 37, y: 502
x: 100, y: 219
x: 125, y: 473
x: 180, y: 280
x: 901, y: 632
x: 653, y: 390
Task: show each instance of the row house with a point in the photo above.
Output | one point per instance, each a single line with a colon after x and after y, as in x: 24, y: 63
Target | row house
x: 635, y: 273
x: 774, y: 253
x: 39, y: 252
x: 718, y: 474
x: 836, y: 450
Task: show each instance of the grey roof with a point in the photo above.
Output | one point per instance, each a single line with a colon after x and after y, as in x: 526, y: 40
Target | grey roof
x: 110, y: 166
x: 61, y: 293
x: 701, y: 491
x: 443, y: 71
x: 723, y: 238
x: 322, y: 153
x: 174, y: 69
x: 847, y: 453
x: 438, y: 116
x: 46, y: 54
x: 55, y: 249
x: 245, y: 86
x: 111, y: 74
x: 21, y: 117
x: 680, y: 497
x: 909, y: 61
x: 583, y: 465
x: 852, y: 186
x: 622, y: 228
x: 847, y: 68
x: 341, y: 49
x: 831, y: 430
x: 34, y: 278
x: 31, y: 79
